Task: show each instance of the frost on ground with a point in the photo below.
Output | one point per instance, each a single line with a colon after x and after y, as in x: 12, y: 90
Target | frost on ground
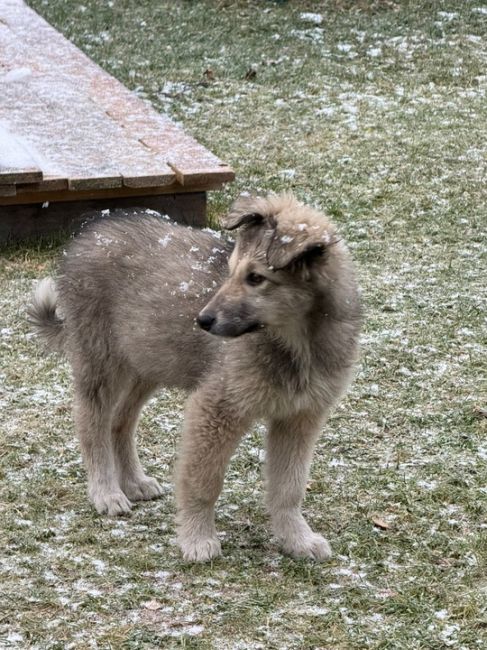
x: 378, y: 117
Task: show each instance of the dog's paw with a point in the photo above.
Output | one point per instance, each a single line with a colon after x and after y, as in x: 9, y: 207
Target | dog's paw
x: 311, y: 545
x: 113, y: 503
x: 143, y: 488
x: 200, y: 550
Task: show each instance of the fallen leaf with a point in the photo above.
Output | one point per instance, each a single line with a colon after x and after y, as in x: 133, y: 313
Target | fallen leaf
x: 480, y: 412
x: 380, y: 523
x: 153, y: 605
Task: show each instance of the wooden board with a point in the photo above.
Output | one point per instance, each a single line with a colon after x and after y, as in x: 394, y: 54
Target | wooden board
x: 17, y: 165
x: 26, y: 196
x: 12, y: 175
x: 84, y: 129
x: 8, y: 190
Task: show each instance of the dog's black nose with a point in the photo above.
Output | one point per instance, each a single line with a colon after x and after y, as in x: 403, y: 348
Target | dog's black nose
x: 205, y: 321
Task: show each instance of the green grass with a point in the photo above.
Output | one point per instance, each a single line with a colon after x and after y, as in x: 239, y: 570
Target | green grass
x: 378, y: 115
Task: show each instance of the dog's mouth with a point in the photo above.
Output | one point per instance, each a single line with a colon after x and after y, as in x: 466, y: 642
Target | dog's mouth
x: 253, y: 327
x: 231, y: 329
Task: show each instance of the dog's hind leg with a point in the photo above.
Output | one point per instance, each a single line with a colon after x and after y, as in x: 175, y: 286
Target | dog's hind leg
x: 213, y: 427
x: 93, y: 409
x: 134, y: 482
x: 290, y: 444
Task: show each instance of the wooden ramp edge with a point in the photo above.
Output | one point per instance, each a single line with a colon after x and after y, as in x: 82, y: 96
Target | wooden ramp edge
x: 69, y: 131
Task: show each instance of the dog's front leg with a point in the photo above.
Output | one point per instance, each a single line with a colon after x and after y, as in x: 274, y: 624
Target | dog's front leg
x: 290, y: 445
x: 212, y: 430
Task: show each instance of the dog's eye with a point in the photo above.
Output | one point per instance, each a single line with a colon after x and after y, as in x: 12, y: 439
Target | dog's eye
x: 254, y: 279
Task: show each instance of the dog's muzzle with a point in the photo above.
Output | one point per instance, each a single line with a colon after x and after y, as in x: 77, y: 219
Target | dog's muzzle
x: 232, y: 328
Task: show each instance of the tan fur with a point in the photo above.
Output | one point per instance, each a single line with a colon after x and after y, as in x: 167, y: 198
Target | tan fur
x: 282, y: 316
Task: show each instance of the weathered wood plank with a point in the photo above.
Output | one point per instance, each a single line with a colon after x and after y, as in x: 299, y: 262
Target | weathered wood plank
x: 192, y: 175
x: 85, y: 182
x: 8, y: 190
x: 13, y: 175
x: 48, y: 184
x: 17, y: 164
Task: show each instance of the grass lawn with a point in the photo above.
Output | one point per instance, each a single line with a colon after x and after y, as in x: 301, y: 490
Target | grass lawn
x: 375, y: 111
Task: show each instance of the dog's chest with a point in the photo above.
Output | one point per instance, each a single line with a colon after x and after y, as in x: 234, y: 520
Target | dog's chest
x: 298, y: 392
x: 273, y: 382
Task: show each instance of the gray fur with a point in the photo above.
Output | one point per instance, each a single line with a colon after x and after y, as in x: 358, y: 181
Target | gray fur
x: 282, y: 312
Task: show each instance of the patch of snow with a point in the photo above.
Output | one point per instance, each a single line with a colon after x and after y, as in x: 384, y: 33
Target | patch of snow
x: 337, y: 462
x: 192, y: 630
x: 164, y: 241
x: 310, y: 17
x: 25, y: 523
x: 171, y: 88
x: 100, y: 566
x: 427, y: 485
x: 50, y: 576
x: 84, y: 587
x: 102, y: 241
x: 287, y: 173
x: 14, y: 637
x: 449, y: 633
x: 162, y: 575
x: 311, y: 610
x: 17, y: 74
x: 328, y: 111
x: 315, y: 35
x: 215, y: 233
x: 17, y: 152
x: 448, y: 15
x: 374, y: 52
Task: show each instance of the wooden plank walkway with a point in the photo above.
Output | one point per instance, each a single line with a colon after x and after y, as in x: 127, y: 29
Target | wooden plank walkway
x: 69, y: 131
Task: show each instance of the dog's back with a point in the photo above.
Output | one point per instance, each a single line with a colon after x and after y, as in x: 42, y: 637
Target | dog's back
x: 129, y: 290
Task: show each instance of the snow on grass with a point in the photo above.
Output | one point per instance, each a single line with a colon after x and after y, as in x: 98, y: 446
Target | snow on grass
x: 379, y: 118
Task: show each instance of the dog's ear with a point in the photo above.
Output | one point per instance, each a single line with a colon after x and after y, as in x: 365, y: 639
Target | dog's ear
x: 244, y: 212
x: 234, y: 220
x: 286, y: 251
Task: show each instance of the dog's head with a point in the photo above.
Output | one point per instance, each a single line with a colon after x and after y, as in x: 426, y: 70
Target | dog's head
x: 280, y: 248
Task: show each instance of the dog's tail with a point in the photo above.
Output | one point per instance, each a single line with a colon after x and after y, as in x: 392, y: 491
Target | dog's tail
x: 42, y: 315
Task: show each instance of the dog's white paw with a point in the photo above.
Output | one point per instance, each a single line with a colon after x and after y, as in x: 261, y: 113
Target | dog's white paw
x: 142, y: 488
x: 311, y: 545
x: 112, y: 503
x: 200, y: 550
